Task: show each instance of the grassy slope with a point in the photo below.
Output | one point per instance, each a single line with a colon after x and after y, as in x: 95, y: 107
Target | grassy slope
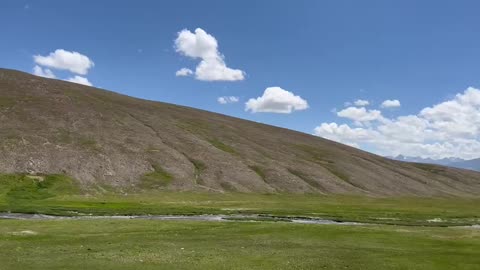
x: 103, y: 138
x: 141, y: 244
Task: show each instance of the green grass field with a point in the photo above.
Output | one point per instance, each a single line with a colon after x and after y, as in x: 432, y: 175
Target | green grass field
x: 403, y: 233
x: 148, y: 244
x: 58, y: 195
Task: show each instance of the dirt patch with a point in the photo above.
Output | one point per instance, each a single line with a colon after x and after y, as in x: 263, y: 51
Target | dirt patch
x: 24, y: 233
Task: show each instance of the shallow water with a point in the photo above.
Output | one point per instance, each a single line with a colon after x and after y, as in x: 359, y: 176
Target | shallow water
x: 217, y: 218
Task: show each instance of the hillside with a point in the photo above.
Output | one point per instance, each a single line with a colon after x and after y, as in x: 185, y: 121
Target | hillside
x: 103, y: 139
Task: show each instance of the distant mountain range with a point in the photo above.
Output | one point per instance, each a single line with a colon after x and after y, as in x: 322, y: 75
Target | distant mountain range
x: 472, y: 164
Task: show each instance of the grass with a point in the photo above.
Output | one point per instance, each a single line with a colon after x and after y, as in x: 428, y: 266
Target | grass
x: 149, y: 244
x: 58, y: 195
x: 314, y: 154
x: 323, y: 158
x: 305, y: 178
x: 198, y: 164
x: 199, y: 167
x: 89, y: 143
x: 6, y: 102
x: 429, y: 167
x: 418, y: 239
x: 64, y: 136
x: 222, y: 146
x: 259, y: 171
x: 18, y: 188
x: 151, y: 148
x: 338, y: 173
x: 195, y: 126
x: 227, y: 186
x: 156, y: 179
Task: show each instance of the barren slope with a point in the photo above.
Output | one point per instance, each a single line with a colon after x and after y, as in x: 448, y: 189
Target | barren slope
x: 103, y: 138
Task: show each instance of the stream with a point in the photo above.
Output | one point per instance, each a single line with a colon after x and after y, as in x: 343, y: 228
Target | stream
x: 213, y: 218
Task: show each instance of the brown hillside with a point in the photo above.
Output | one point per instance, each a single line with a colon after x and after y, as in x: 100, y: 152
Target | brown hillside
x: 104, y: 138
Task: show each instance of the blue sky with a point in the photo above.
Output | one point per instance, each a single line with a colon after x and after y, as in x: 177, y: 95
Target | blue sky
x: 421, y: 53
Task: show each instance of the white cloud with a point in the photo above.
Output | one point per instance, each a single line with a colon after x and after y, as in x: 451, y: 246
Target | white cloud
x: 183, y: 72
x: 216, y: 70
x: 65, y: 60
x: 196, y: 45
x: 358, y: 103
x: 361, y: 102
x: 391, y: 103
x: 201, y: 45
x: 47, y: 73
x: 79, y: 80
x: 459, y: 117
x: 360, y: 114
x: 226, y: 100
x: 342, y: 133
x: 448, y: 129
x: 276, y: 100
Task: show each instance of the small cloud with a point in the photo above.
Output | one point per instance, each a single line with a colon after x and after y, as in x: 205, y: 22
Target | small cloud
x: 183, y: 72
x: 391, y: 103
x: 47, y: 73
x: 201, y: 45
x: 358, y: 103
x: 227, y: 100
x: 65, y: 60
x: 276, y: 100
x: 360, y: 114
x: 79, y: 80
x: 361, y: 102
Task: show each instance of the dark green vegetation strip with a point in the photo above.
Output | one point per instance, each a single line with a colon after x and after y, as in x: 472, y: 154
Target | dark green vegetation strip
x: 429, y: 167
x: 199, y: 166
x: 324, y: 159
x: 259, y: 171
x: 305, y: 178
x: 6, y: 102
x: 144, y: 244
x: 89, y: 143
x: 156, y: 179
x: 222, y: 146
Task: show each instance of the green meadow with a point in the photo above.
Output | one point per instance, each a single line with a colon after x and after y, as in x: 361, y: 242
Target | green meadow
x: 150, y: 244
x: 399, y: 233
